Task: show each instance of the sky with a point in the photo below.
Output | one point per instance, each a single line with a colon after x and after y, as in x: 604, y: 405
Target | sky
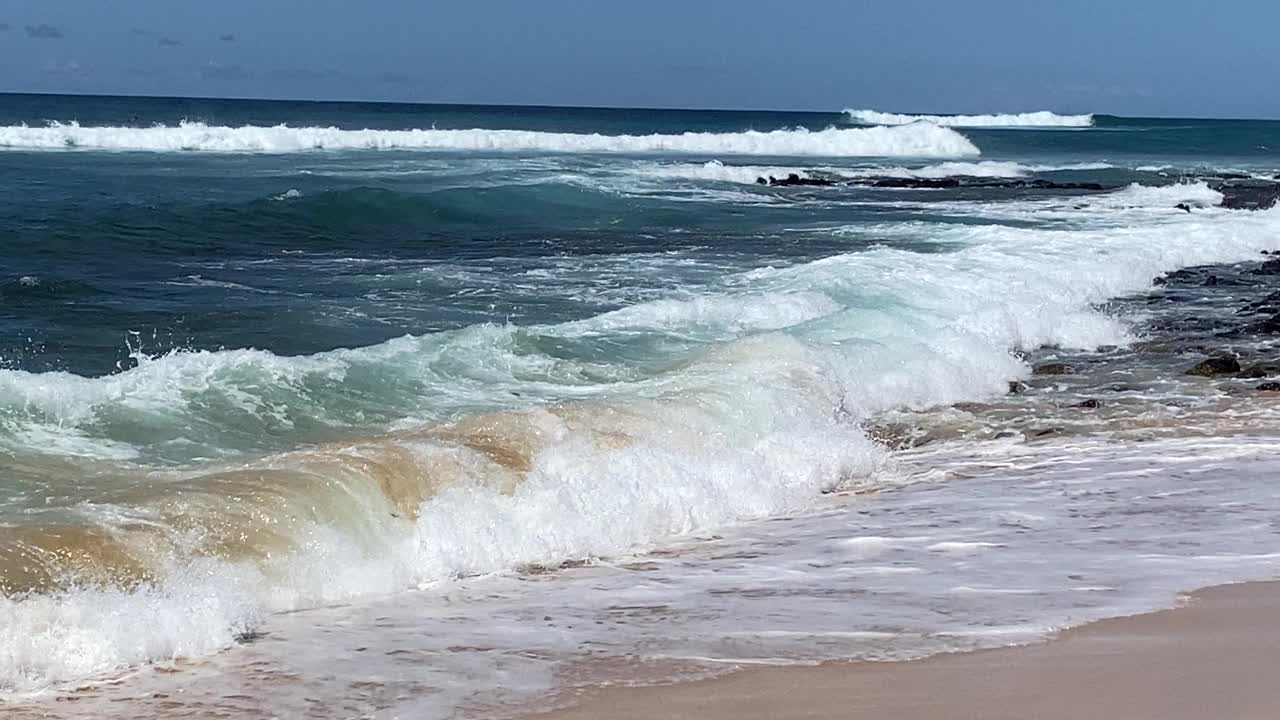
x: 1130, y: 57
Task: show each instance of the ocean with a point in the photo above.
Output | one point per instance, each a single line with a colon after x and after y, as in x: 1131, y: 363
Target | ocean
x: 347, y: 410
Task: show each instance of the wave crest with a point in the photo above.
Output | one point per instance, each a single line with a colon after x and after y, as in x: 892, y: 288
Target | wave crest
x: 1042, y: 118
x: 915, y: 141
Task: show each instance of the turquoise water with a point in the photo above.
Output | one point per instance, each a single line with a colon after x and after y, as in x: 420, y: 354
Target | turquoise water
x: 257, y: 341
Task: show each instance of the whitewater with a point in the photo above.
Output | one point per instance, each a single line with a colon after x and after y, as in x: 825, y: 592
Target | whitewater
x: 916, y: 141
x: 746, y: 430
x: 398, y: 409
x: 1041, y: 118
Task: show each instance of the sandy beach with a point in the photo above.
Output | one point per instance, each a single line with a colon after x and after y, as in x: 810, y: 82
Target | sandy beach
x: 1216, y: 656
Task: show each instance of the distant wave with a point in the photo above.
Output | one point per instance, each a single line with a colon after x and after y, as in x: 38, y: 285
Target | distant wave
x: 1043, y: 118
x: 921, y: 140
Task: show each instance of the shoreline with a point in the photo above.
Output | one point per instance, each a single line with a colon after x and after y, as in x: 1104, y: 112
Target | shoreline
x: 1207, y: 657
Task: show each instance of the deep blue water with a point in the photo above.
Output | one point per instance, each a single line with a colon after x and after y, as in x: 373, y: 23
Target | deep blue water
x: 192, y: 250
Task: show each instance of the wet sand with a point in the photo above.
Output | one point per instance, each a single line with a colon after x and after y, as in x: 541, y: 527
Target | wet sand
x: 1217, y: 657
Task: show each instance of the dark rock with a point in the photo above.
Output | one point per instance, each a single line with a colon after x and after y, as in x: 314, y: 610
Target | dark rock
x: 1017, y: 388
x: 958, y: 181
x: 1216, y: 365
x: 1270, y: 326
x: 1270, y: 387
x: 1047, y: 432
x: 1260, y: 370
x: 793, y: 180
x: 1089, y: 404
x: 1183, y: 207
x: 1269, y: 304
x: 1249, y: 194
x: 916, y: 183
x: 1039, y: 184
x: 1270, y: 267
x: 1177, y: 277
x: 1054, y: 369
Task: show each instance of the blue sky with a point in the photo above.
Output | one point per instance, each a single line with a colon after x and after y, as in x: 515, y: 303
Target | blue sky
x: 1175, y: 57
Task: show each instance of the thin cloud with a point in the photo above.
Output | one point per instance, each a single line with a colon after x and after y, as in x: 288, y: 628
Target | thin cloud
x: 307, y: 74
x: 4, y: 27
x: 44, y: 32
x: 395, y: 78
x: 214, y: 71
x: 169, y: 42
x: 229, y: 37
x: 141, y: 32
x: 65, y: 68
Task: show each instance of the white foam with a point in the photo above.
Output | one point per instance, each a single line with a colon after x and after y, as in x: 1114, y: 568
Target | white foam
x: 785, y: 592
x: 1164, y: 196
x: 1042, y: 118
x: 752, y: 413
x: 717, y: 171
x: 986, y: 168
x: 50, y: 639
x: 921, y: 140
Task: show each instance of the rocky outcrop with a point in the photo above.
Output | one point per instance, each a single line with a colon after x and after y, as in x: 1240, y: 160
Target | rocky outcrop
x: 794, y: 180
x: 1217, y: 365
x: 960, y: 181
x: 1248, y: 194
x: 921, y: 183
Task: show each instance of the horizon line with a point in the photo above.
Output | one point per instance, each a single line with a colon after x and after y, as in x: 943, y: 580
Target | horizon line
x: 551, y: 106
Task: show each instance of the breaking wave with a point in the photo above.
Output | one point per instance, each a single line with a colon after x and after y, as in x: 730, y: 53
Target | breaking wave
x: 544, y: 443
x: 914, y: 141
x: 1043, y: 118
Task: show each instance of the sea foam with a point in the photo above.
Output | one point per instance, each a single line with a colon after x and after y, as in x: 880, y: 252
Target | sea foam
x: 753, y: 413
x: 922, y: 140
x: 718, y: 171
x: 1042, y: 118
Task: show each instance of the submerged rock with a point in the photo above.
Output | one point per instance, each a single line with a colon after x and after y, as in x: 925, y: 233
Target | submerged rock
x: 1259, y: 370
x: 1054, y: 369
x: 1216, y: 365
x: 1270, y: 326
x: 1269, y: 387
x: 1090, y: 404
